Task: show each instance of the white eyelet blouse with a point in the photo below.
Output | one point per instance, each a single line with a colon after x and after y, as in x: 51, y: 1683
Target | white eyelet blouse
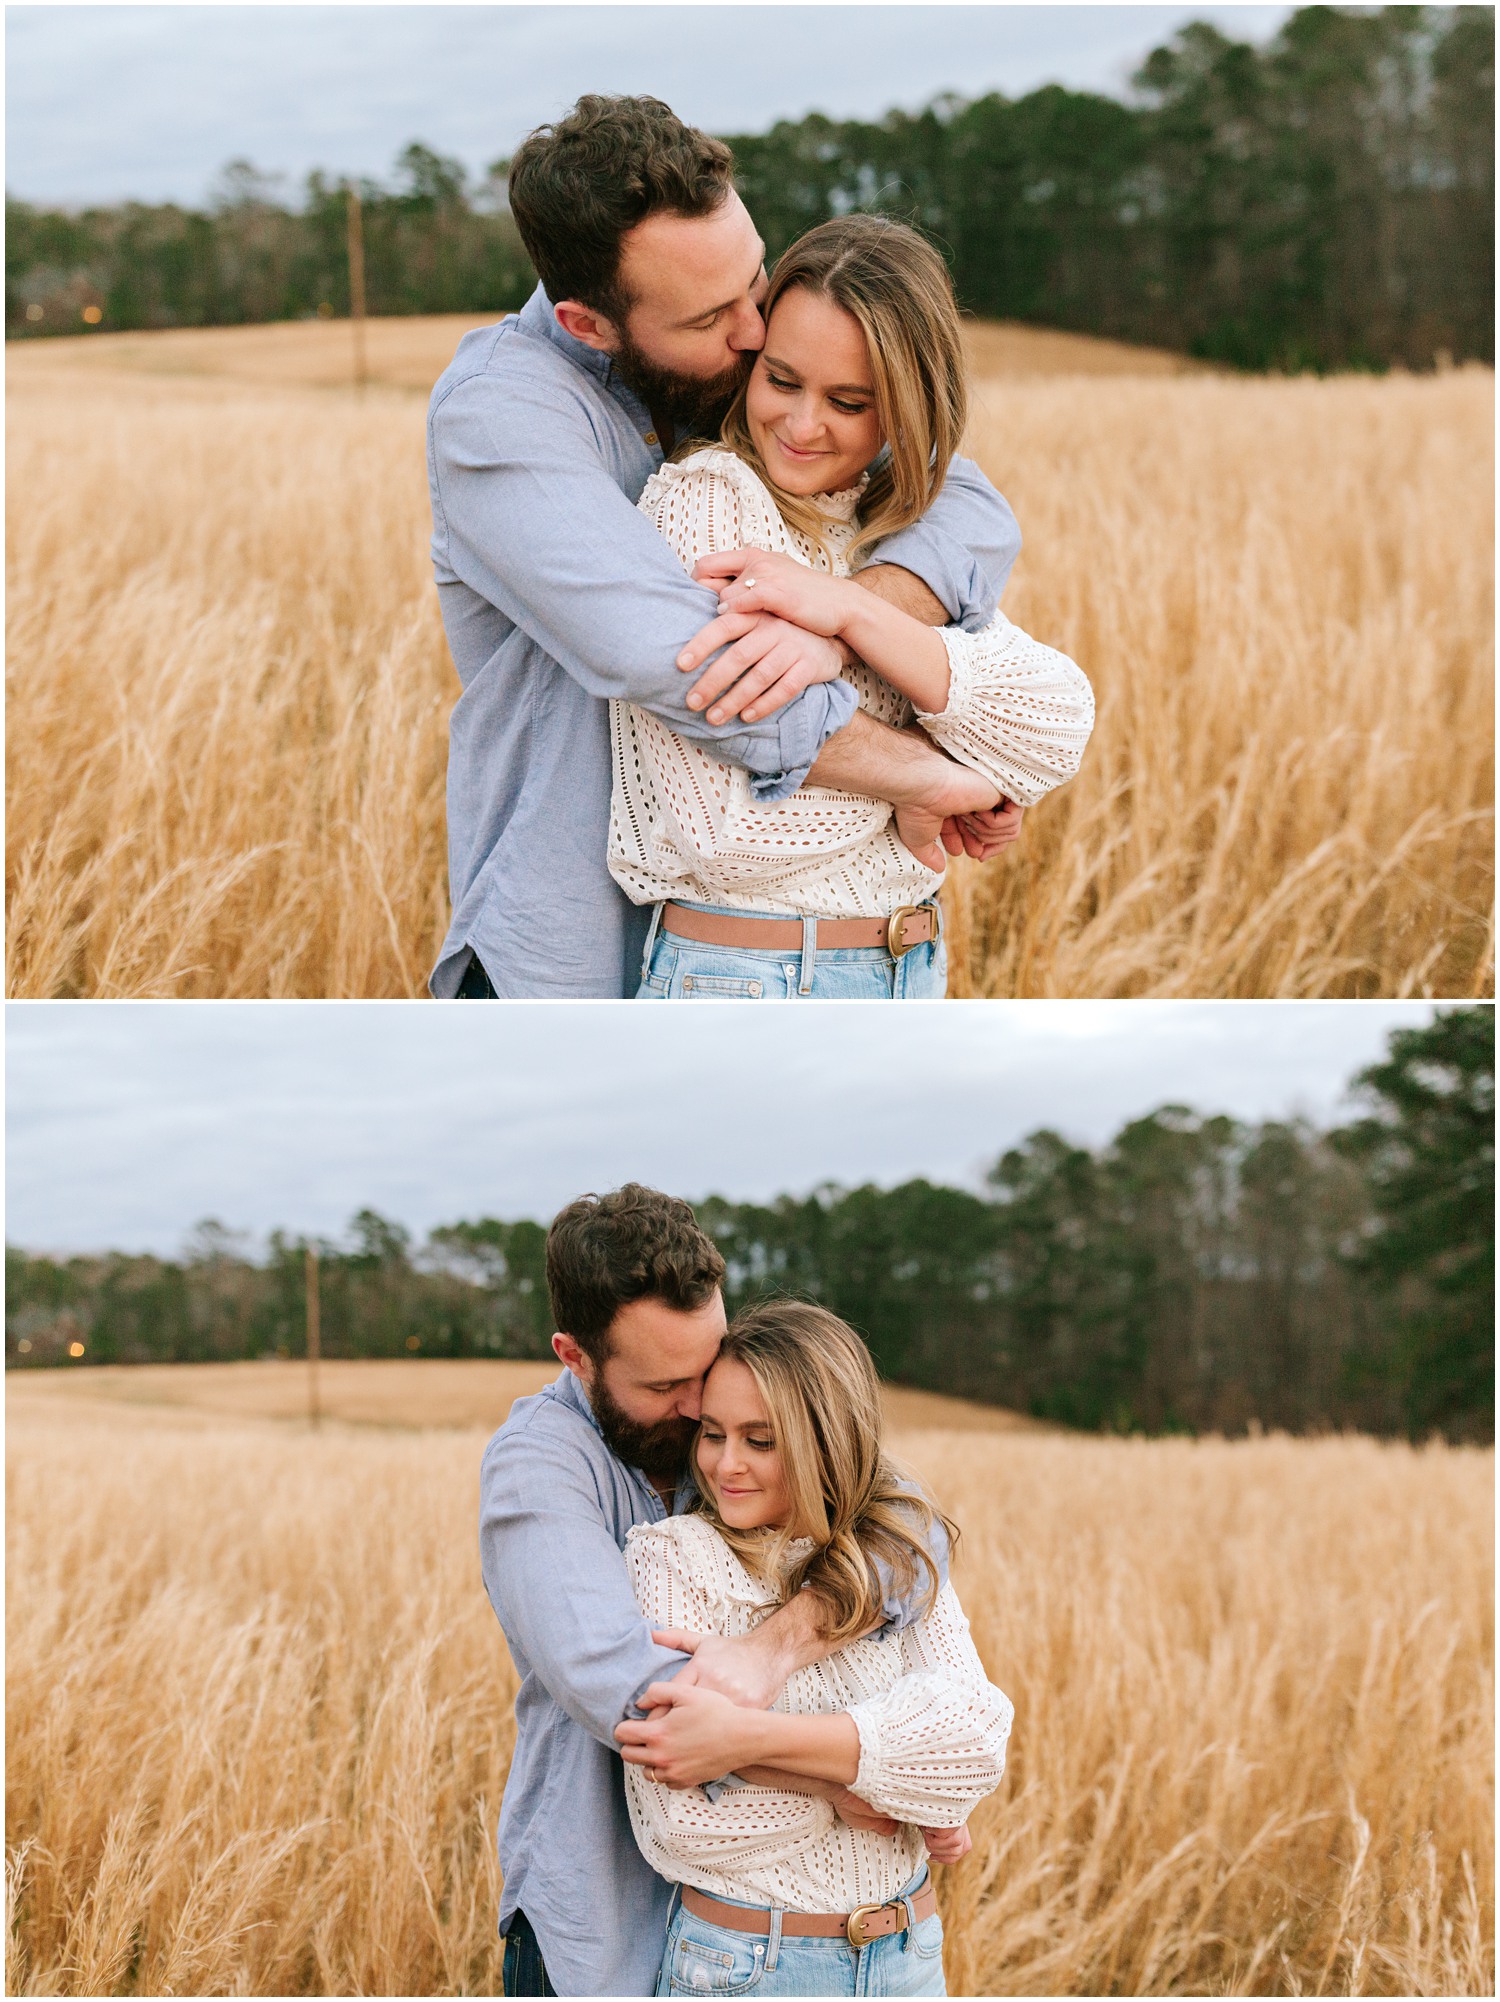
x: 932, y: 1737
x: 684, y: 825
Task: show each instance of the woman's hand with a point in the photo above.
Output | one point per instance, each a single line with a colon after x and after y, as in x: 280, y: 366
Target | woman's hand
x: 982, y: 835
x: 689, y: 1734
x: 926, y: 827
x: 751, y: 580
x: 768, y: 664
x: 947, y: 1845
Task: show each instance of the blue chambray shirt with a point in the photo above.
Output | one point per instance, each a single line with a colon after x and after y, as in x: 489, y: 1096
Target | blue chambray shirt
x: 555, y: 1507
x: 556, y: 595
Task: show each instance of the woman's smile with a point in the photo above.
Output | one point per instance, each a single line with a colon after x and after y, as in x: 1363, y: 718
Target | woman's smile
x: 735, y: 1433
x: 810, y: 401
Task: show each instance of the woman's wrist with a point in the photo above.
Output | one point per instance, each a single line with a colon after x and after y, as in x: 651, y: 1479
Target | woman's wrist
x: 910, y: 656
x: 823, y: 1747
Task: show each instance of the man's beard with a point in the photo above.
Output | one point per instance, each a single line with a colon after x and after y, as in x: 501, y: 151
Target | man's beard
x: 660, y: 1451
x: 694, y: 407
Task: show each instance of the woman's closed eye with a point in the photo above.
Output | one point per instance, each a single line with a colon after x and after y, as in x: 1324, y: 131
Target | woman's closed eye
x: 790, y: 389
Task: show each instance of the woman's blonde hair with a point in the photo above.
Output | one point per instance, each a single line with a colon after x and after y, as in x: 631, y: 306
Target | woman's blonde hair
x: 823, y: 1401
x: 896, y: 286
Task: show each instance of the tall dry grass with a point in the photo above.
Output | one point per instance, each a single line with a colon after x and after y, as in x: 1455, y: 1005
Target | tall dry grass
x: 259, y: 1712
x: 228, y: 688
x: 1283, y: 592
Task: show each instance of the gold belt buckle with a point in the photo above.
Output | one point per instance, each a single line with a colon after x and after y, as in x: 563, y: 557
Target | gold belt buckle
x: 896, y: 926
x: 854, y: 1925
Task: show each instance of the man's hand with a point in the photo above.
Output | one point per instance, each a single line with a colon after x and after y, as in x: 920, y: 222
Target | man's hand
x: 983, y: 835
x: 922, y: 824
x: 747, y: 1671
x: 768, y: 665
x: 688, y: 1735
x: 947, y: 1845
x: 904, y: 766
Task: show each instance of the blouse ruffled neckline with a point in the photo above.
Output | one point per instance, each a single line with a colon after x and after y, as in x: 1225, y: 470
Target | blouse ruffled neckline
x: 843, y: 505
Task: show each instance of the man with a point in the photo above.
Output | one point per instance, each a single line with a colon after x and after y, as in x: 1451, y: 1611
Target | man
x: 635, y: 1293
x: 556, y: 594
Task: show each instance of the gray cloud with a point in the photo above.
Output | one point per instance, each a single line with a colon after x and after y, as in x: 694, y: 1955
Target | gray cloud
x: 128, y: 1122
x: 148, y: 102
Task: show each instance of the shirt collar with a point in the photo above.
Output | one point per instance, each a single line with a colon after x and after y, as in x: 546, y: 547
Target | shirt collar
x: 537, y: 318
x: 568, y: 1390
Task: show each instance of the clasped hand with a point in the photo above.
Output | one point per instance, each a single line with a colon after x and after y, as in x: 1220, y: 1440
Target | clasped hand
x: 771, y: 653
x: 694, y: 1731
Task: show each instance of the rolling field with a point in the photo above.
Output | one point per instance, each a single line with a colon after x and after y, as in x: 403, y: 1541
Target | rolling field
x: 259, y: 1711
x: 228, y: 688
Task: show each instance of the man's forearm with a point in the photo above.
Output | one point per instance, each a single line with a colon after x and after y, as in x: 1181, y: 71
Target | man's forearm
x: 905, y: 591
x: 902, y: 766
x: 795, y: 1635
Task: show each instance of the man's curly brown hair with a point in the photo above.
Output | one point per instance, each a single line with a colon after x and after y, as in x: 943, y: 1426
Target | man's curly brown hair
x: 577, y: 186
x: 633, y: 1244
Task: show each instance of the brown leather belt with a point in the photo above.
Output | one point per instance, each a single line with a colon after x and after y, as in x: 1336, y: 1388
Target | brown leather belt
x: 859, y: 1927
x: 912, y: 924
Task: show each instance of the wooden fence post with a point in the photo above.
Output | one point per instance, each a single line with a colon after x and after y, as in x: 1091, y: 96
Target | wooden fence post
x: 314, y: 1338
x: 357, y: 284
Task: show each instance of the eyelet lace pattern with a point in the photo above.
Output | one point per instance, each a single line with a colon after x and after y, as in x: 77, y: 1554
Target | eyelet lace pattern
x: 932, y: 1733
x: 685, y: 825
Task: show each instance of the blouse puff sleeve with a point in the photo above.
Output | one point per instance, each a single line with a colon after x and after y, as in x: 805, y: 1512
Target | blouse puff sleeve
x: 712, y: 826
x: 682, y: 1825
x: 932, y: 1746
x: 1018, y: 711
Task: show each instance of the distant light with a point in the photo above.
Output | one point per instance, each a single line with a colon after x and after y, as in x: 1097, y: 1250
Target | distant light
x: 36, y: 312
x: 75, y: 1348
x: 414, y: 1341
x: 93, y: 314
x: 24, y: 1347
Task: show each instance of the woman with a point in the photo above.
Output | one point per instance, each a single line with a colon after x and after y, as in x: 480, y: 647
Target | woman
x: 780, y: 1895
x: 863, y: 352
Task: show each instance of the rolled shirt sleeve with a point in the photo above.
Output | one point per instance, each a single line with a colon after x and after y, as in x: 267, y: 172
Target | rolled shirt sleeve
x: 538, y: 527
x: 963, y: 549
x: 904, y: 1607
x: 557, y: 1580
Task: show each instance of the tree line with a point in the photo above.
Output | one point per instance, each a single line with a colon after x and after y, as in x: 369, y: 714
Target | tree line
x: 1325, y: 200
x: 1194, y: 1273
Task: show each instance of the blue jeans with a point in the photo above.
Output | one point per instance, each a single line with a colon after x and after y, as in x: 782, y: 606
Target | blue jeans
x: 678, y: 969
x: 521, y: 1968
x: 708, y: 1960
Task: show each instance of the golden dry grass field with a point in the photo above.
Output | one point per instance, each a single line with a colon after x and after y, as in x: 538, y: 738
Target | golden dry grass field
x: 259, y: 1717
x: 228, y: 689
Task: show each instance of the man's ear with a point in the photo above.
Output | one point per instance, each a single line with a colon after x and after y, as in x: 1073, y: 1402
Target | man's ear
x: 585, y: 325
x: 572, y: 1357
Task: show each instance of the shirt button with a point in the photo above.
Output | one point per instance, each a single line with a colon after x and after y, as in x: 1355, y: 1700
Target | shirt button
x: 651, y: 438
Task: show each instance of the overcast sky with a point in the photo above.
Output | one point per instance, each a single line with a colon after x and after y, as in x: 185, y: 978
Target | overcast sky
x: 149, y: 102
x: 127, y: 1123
